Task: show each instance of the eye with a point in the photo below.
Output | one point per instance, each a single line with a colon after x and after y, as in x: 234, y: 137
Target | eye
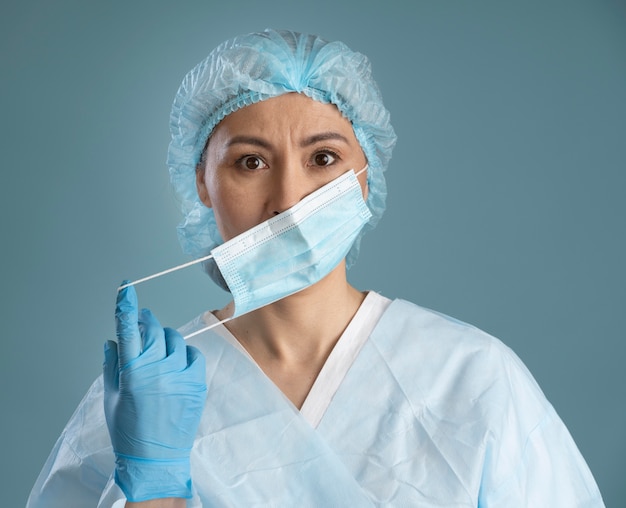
x: 325, y: 158
x: 252, y: 162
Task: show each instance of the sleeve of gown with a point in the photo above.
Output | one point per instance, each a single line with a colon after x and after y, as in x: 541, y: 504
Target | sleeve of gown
x: 532, y: 459
x: 112, y: 496
x: 81, y: 461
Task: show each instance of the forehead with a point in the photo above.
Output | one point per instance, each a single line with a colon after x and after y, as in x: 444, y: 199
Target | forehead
x: 291, y: 114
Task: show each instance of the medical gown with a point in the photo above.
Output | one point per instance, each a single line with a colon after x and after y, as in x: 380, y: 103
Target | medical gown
x: 412, y: 408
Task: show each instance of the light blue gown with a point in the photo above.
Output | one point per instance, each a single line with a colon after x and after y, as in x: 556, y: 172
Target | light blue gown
x: 431, y: 413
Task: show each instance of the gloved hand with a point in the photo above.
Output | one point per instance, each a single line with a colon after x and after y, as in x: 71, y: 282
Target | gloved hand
x: 154, y: 394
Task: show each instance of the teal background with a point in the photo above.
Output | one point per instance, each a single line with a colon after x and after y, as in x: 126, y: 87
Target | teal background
x: 506, y: 191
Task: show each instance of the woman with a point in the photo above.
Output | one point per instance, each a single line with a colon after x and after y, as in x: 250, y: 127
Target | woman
x: 305, y: 391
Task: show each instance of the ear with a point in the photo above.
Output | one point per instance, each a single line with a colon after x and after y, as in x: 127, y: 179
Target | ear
x: 203, y: 193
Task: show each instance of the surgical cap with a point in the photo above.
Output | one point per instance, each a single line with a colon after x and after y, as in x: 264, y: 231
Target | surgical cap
x: 254, y: 67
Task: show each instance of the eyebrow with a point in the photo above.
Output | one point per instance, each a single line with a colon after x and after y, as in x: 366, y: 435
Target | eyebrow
x: 311, y: 140
x: 249, y: 140
x: 323, y: 136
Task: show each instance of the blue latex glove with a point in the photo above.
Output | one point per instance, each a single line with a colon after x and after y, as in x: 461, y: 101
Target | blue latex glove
x: 154, y: 394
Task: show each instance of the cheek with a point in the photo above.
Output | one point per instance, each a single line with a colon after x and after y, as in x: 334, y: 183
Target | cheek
x: 225, y: 216
x: 235, y: 212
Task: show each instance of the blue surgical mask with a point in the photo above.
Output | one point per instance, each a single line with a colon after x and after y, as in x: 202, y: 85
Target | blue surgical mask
x: 292, y: 250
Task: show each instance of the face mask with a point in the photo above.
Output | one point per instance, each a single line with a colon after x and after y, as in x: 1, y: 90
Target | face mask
x: 292, y: 250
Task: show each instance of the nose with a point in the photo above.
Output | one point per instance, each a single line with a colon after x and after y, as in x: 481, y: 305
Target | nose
x: 289, y: 185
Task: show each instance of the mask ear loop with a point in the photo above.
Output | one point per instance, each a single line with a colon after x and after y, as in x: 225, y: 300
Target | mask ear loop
x: 170, y: 270
x: 164, y: 272
x: 207, y: 328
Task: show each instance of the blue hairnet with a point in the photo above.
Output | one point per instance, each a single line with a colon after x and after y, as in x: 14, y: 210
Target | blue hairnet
x: 254, y: 67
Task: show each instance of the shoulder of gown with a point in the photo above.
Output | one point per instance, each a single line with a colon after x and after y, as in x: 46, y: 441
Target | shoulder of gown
x: 470, y: 391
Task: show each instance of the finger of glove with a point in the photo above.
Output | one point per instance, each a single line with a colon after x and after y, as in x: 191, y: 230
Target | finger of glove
x: 196, y: 363
x: 176, y: 349
x: 153, y: 337
x: 126, y: 326
x: 110, y: 367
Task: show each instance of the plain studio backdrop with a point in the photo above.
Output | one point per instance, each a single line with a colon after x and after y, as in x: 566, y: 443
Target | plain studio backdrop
x: 506, y: 200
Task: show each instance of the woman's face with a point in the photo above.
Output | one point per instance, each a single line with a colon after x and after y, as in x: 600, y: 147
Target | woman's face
x: 264, y: 158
